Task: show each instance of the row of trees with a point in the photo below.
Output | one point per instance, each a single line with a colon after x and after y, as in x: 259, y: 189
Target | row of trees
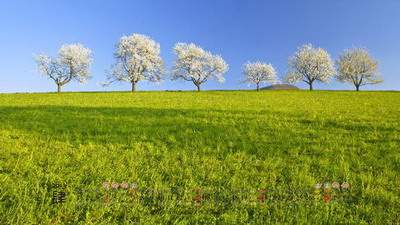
x: 312, y: 65
x: 138, y: 59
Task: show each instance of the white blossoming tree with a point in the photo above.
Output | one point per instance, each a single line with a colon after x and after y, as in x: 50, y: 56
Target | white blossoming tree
x: 258, y: 72
x: 197, y: 65
x: 137, y: 58
x: 310, y: 64
x: 356, y: 66
x: 73, y: 63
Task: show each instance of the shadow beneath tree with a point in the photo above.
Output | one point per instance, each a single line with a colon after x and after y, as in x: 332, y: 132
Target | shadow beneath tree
x: 175, y: 128
x: 255, y: 132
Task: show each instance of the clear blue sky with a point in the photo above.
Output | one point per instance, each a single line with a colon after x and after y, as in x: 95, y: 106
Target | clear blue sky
x: 238, y: 30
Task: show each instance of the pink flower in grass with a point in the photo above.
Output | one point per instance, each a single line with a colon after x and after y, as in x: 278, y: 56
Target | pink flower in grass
x: 114, y: 185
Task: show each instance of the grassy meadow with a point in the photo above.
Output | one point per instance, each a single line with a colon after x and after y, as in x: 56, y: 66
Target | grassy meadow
x: 214, y: 157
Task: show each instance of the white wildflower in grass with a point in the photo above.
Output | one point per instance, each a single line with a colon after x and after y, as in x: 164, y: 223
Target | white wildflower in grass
x: 106, y: 186
x: 197, y: 65
x: 327, y: 185
x: 317, y: 185
x: 124, y: 185
x: 345, y: 185
x: 134, y: 185
x: 335, y: 185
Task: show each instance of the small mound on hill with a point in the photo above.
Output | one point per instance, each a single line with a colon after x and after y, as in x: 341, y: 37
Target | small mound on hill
x: 280, y: 87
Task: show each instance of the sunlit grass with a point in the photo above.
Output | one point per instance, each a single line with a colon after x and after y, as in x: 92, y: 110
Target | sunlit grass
x: 261, y: 153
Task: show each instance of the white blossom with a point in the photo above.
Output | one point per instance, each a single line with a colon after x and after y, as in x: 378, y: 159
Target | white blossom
x: 356, y: 66
x: 197, y: 65
x: 73, y: 63
x: 327, y: 185
x: 138, y: 58
x: 258, y: 72
x: 310, y: 64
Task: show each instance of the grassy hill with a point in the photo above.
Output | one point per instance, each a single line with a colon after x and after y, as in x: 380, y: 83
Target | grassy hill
x: 213, y: 157
x: 280, y: 87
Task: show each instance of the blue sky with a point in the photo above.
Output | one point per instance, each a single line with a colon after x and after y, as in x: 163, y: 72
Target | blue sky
x: 240, y: 31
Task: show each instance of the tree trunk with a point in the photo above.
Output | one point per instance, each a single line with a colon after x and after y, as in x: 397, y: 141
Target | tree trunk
x: 133, y: 86
x: 258, y: 86
x: 357, y: 88
x: 311, y: 87
x: 58, y: 88
x: 198, y: 87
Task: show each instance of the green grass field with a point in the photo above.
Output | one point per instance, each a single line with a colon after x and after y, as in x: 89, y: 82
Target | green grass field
x: 217, y: 157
